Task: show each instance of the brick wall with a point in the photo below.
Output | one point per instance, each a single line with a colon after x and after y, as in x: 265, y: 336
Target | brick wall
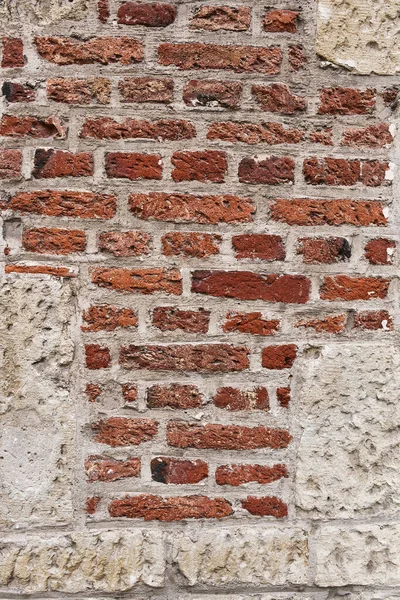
x: 200, y: 301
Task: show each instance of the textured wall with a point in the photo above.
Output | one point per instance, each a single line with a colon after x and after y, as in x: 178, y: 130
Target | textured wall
x: 199, y: 300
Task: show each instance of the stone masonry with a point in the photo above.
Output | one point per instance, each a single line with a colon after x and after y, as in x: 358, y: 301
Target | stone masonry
x: 199, y: 332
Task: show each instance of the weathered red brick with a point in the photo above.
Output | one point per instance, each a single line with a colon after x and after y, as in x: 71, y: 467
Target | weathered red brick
x: 345, y: 287
x: 331, y: 171
x: 104, y: 128
x: 235, y: 399
x: 93, y: 392
x: 195, y: 55
x: 203, y: 165
x: 103, y: 10
x: 268, y: 506
x: 30, y: 126
x: 305, y: 211
x: 13, y: 53
x: 191, y: 244
x: 94, y: 90
x: 330, y: 324
x: 120, y: 431
x: 277, y: 98
x: 125, y: 243
x: 97, y: 357
x: 346, y: 101
x: 281, y: 21
x: 107, y: 318
x: 92, y: 504
x: 250, y: 323
x: 254, y: 133
x: 188, y: 208
x: 246, y: 285
x: 225, y: 437
x: 324, y: 250
x: 18, y: 92
x: 259, y: 245
x: 10, y: 164
x: 379, y: 251
x: 54, y: 203
x: 58, y: 163
x: 275, y: 170
x: 373, y: 136
x: 146, y: 89
x: 51, y: 240
x: 374, y: 173
x: 176, y: 508
x: 279, y: 357
x: 133, y: 165
x: 149, y: 14
x: 297, y: 58
x: 201, y: 358
x: 239, y: 474
x: 102, y: 468
x: 129, y: 392
x: 373, y: 320
x: 322, y: 136
x: 174, y: 396
x: 283, y: 396
x: 223, y: 94
x: 41, y: 270
x: 170, y: 318
x: 178, y: 471
x: 390, y: 97
x: 142, y: 281
x: 102, y: 50
x: 228, y: 18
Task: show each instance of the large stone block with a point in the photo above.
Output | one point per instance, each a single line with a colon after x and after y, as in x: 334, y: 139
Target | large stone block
x: 43, y: 11
x: 361, y: 35
x: 349, y: 442
x: 256, y: 556
x: 107, y: 561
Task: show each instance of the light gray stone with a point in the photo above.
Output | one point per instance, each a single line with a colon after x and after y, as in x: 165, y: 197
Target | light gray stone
x: 44, y: 11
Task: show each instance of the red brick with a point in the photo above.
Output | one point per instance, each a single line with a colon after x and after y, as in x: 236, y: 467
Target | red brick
x: 304, y: 211
x: 330, y: 324
x: 97, y: 357
x: 102, y: 50
x: 277, y: 98
x: 13, y: 53
x: 275, y: 170
x: 259, y: 245
x: 124, y: 243
x: 250, y: 323
x: 241, y: 474
x: 373, y: 136
x: 30, y: 126
x: 279, y: 357
x: 133, y: 166
x: 176, y: 508
x: 190, y: 244
x: 281, y: 21
x: 254, y: 133
x: 187, y: 208
x: 268, y: 506
x: 225, y: 437
x: 50, y: 240
x: 141, y: 281
x: 54, y: 203
x: 92, y: 504
x: 120, y: 431
x: 223, y: 94
x: 102, y: 468
x: 235, y: 399
x: 283, y: 396
x: 344, y: 287
x: 297, y: 58
x: 10, y: 164
x: 322, y: 136
x: 95, y: 90
x: 129, y: 392
x: 374, y: 173
x: 170, y: 318
x: 108, y: 318
x: 178, y: 471
x: 146, y: 89
x: 93, y: 392
x: 228, y: 18
x: 103, y: 128
x: 324, y: 250
x: 380, y: 251
x: 346, y: 101
x: 57, y: 163
x: 246, y: 285
x: 203, y: 165
x: 390, y: 97
x: 149, y: 14
x: 331, y: 171
x: 174, y: 396
x: 103, y: 10
x: 41, y: 270
x: 373, y: 320
x: 241, y: 59
x: 200, y: 358
x: 18, y: 92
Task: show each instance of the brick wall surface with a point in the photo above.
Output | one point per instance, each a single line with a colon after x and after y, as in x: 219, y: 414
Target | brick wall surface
x: 199, y: 300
